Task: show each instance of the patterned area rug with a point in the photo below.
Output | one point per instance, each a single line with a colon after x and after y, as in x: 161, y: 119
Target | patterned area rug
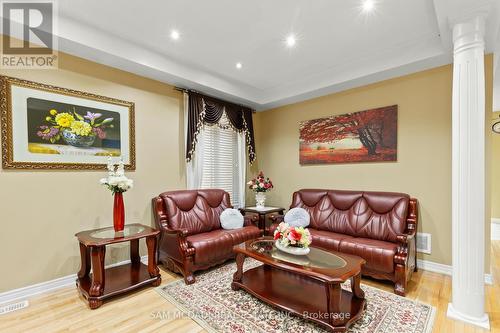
x: 216, y: 307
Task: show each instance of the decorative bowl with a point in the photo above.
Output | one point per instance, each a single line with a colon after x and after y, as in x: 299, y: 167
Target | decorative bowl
x: 299, y: 251
x: 76, y: 140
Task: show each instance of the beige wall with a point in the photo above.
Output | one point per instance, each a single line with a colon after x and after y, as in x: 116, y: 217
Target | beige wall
x: 495, y: 169
x: 41, y: 211
x: 423, y: 169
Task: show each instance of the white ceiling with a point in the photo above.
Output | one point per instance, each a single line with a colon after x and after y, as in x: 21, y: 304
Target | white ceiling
x: 338, y: 45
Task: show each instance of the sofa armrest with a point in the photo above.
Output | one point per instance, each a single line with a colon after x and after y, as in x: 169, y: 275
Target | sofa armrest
x: 172, y: 242
x: 406, y: 254
x: 411, y: 223
x: 406, y: 238
x: 175, y: 243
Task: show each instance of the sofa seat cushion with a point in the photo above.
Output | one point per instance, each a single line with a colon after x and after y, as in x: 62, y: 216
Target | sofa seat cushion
x: 211, y: 246
x: 326, y: 239
x: 243, y: 234
x: 379, y: 255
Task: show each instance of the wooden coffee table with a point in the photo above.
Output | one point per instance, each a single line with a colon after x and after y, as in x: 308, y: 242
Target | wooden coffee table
x: 308, y: 286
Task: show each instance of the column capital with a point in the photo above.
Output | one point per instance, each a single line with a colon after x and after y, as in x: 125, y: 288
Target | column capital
x: 469, y: 33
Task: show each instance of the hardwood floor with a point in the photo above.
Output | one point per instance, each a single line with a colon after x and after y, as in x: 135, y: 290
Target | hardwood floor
x: 146, y: 311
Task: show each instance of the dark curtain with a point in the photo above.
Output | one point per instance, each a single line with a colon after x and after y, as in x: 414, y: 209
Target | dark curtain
x: 208, y: 110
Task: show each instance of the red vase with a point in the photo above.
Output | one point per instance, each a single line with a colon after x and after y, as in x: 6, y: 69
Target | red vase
x: 118, y: 212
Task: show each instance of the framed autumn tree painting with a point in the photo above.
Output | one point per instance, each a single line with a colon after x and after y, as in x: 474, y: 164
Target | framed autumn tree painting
x: 365, y: 136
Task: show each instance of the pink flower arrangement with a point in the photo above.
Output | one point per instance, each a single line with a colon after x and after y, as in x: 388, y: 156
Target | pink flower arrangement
x: 292, y: 236
x: 260, y: 183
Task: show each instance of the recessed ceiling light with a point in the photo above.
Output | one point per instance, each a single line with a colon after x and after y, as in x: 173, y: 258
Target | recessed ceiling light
x: 290, y: 40
x: 174, y: 34
x: 368, y: 5
x: 239, y: 65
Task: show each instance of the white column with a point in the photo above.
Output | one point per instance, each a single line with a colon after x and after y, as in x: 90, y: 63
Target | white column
x: 468, y: 174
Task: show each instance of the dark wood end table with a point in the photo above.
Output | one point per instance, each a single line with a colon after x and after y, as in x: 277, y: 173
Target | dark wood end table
x: 262, y: 212
x: 308, y: 286
x: 107, y: 282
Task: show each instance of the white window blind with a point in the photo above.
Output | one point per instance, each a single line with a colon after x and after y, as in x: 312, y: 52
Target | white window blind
x: 223, y: 161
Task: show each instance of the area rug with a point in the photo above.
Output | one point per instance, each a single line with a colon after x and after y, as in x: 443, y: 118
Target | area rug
x: 217, y: 308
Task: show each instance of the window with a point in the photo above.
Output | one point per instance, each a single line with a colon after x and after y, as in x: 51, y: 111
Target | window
x: 219, y: 161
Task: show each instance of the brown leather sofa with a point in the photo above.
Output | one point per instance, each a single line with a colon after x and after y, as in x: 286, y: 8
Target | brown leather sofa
x: 191, y: 236
x: 380, y: 227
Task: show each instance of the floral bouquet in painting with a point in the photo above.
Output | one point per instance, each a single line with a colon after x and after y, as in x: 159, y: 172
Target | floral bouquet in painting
x: 116, y: 181
x: 260, y: 183
x: 288, y: 236
x: 74, y: 129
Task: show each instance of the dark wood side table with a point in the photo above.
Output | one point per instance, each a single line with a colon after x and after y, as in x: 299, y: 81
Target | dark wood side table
x: 262, y: 212
x: 104, y: 283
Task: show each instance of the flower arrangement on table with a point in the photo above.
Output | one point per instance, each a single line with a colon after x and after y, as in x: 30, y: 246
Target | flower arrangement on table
x: 73, y: 128
x: 292, y: 236
x: 260, y: 183
x: 117, y: 183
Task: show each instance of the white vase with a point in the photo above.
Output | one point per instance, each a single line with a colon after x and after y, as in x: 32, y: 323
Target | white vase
x: 260, y: 199
x: 298, y: 251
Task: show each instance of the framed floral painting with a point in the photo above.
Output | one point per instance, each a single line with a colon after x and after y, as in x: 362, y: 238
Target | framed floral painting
x: 48, y: 127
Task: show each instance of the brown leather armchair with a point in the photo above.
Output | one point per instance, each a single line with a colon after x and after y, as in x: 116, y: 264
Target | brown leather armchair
x: 380, y: 227
x: 191, y: 236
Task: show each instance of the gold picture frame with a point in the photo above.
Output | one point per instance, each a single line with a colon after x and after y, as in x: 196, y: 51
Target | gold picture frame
x: 91, y: 158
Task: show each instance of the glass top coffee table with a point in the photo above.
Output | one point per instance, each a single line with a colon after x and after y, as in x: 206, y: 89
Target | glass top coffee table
x: 308, y: 286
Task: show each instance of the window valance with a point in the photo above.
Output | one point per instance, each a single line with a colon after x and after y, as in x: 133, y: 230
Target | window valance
x: 206, y: 110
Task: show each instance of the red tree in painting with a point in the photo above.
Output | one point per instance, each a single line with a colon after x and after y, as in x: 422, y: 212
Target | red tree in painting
x: 374, y: 128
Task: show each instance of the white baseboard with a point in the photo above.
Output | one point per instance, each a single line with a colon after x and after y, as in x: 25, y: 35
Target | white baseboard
x: 495, y: 229
x: 445, y: 269
x: 36, y: 289
x: 44, y: 287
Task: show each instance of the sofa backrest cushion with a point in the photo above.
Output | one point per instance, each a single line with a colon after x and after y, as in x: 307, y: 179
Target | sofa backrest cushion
x: 382, y: 215
x: 329, y: 210
x: 375, y: 215
x: 196, y: 211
